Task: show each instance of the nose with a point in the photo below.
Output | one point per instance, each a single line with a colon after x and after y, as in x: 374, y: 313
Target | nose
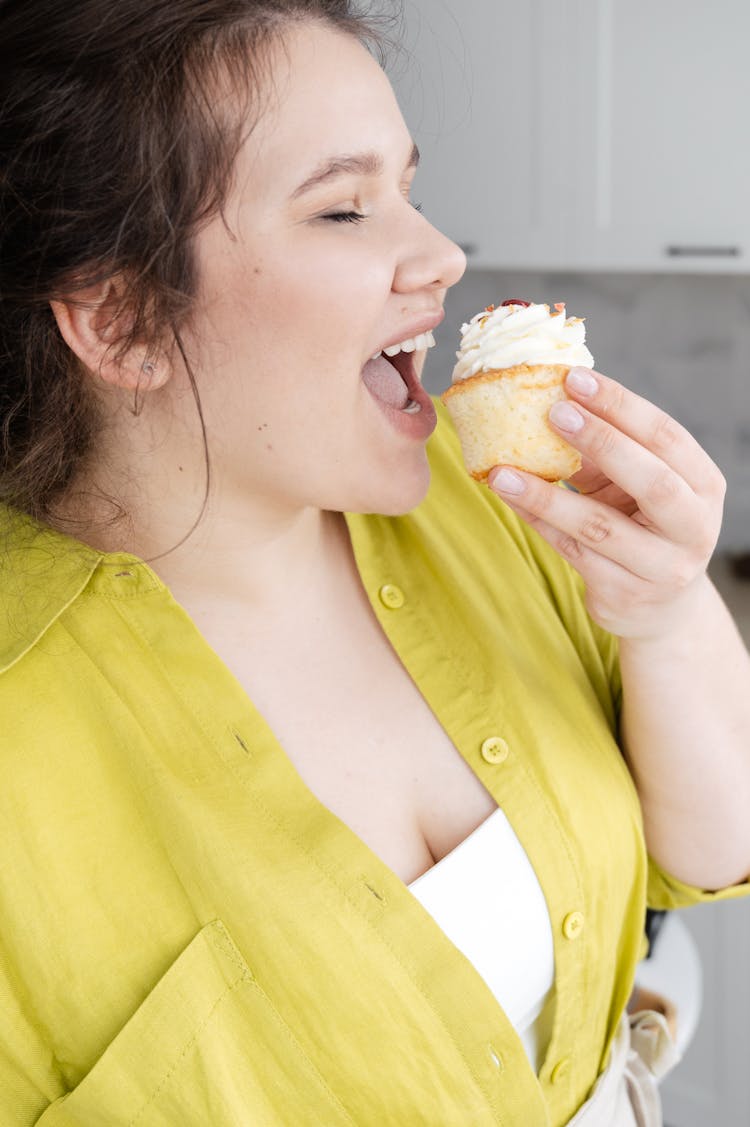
x: 430, y: 260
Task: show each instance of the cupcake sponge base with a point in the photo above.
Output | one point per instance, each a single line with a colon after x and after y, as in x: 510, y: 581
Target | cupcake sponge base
x: 501, y: 419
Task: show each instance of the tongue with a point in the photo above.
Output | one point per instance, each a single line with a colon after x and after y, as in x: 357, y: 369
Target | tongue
x: 384, y: 382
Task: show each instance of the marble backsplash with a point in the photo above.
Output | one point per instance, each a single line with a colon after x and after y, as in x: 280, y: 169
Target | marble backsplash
x: 682, y: 341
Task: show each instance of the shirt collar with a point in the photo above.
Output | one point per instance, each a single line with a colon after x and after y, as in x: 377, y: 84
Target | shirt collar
x: 41, y: 573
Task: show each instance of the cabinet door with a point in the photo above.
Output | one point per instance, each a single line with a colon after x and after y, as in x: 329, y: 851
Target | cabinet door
x: 483, y: 89
x: 664, y: 159
x: 594, y: 134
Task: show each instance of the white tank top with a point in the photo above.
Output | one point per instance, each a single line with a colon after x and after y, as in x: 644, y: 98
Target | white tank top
x: 485, y: 896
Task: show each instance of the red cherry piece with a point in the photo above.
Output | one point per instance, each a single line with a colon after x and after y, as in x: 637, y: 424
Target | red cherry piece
x: 515, y: 301
x: 489, y: 308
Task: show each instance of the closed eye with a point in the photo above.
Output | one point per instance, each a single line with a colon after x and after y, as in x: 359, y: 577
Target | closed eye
x: 354, y: 216
x: 345, y: 216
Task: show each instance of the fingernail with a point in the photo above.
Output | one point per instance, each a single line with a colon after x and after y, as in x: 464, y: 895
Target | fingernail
x: 566, y: 417
x: 507, y: 481
x: 581, y: 380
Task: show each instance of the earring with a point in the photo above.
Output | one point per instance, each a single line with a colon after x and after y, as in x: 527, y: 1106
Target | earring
x: 148, y: 369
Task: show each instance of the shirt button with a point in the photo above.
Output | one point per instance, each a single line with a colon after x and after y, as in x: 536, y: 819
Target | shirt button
x: 572, y: 925
x: 494, y: 750
x: 391, y: 596
x: 560, y: 1071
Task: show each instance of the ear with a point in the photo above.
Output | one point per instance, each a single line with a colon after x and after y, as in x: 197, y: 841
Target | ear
x: 91, y: 322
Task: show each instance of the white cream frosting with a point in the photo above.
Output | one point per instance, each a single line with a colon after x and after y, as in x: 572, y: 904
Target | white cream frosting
x: 517, y: 334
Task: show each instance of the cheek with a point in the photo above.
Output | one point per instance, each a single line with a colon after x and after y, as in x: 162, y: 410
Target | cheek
x: 283, y: 331
x: 339, y: 275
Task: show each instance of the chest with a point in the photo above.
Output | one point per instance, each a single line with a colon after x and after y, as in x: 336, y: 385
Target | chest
x: 334, y: 943
x: 388, y: 770
x: 361, y: 736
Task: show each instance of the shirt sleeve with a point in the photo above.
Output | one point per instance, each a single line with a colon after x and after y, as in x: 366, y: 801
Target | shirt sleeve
x: 667, y: 892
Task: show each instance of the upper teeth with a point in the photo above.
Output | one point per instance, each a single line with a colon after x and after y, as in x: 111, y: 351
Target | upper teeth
x: 413, y: 344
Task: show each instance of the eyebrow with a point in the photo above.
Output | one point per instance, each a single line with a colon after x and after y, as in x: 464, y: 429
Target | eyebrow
x: 358, y: 164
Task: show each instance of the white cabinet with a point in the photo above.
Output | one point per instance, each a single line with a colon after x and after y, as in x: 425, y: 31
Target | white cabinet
x: 587, y: 134
x: 664, y: 135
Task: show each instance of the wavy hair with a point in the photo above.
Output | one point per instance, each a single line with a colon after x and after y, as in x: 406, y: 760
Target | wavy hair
x: 114, y: 150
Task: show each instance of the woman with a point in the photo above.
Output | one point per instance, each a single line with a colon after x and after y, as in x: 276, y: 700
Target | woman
x: 241, y: 715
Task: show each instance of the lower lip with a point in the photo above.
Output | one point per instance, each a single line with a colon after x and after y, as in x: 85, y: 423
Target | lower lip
x: 418, y: 425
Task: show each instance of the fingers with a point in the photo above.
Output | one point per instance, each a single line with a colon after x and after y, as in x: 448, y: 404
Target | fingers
x: 644, y: 452
x: 579, y: 527
x: 612, y: 591
x: 643, y: 593
x: 645, y: 423
x: 664, y: 497
x: 642, y: 519
x: 589, y: 479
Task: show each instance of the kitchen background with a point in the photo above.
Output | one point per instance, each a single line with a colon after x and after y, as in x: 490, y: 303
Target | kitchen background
x: 597, y: 152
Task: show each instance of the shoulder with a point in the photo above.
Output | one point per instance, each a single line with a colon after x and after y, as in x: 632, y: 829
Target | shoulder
x: 41, y: 573
x: 59, y: 624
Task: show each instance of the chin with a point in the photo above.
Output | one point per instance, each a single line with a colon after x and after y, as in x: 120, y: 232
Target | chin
x: 398, y: 494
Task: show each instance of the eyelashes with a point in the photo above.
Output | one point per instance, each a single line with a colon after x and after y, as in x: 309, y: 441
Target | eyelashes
x: 344, y: 217
x: 354, y: 216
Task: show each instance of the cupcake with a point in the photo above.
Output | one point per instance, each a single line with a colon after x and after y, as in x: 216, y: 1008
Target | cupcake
x: 511, y: 368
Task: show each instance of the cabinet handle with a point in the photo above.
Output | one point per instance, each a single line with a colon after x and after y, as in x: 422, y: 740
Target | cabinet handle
x: 703, y: 252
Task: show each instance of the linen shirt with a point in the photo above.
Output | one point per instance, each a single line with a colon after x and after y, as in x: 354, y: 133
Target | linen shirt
x: 190, y: 937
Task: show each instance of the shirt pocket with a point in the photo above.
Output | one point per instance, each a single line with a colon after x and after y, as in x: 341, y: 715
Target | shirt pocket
x: 206, y: 1046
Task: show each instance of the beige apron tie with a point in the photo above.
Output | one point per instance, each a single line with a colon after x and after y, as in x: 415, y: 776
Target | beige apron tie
x: 626, y: 1094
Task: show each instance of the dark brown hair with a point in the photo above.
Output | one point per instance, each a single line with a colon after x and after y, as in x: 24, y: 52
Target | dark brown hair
x: 112, y: 153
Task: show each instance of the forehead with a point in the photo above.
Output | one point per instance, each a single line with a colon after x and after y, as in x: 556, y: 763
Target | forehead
x: 326, y: 94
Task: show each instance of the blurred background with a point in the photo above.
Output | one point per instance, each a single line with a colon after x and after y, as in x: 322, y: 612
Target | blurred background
x: 597, y: 152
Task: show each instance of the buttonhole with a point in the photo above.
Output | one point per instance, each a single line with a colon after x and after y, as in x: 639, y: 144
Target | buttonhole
x: 241, y: 742
x: 378, y: 895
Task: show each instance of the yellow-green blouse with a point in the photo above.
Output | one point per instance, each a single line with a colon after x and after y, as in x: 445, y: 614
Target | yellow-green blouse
x: 189, y: 938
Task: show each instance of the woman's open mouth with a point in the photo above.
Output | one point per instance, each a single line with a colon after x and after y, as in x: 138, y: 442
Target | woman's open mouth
x: 391, y: 376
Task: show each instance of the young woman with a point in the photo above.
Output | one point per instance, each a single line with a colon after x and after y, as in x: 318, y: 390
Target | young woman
x: 269, y: 656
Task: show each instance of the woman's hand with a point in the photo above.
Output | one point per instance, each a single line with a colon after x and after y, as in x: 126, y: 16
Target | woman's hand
x: 641, y: 531
x: 646, y: 517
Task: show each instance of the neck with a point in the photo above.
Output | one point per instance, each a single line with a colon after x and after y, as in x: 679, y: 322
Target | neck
x: 250, y: 547
x: 246, y: 551
x: 265, y: 565
x: 250, y: 559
